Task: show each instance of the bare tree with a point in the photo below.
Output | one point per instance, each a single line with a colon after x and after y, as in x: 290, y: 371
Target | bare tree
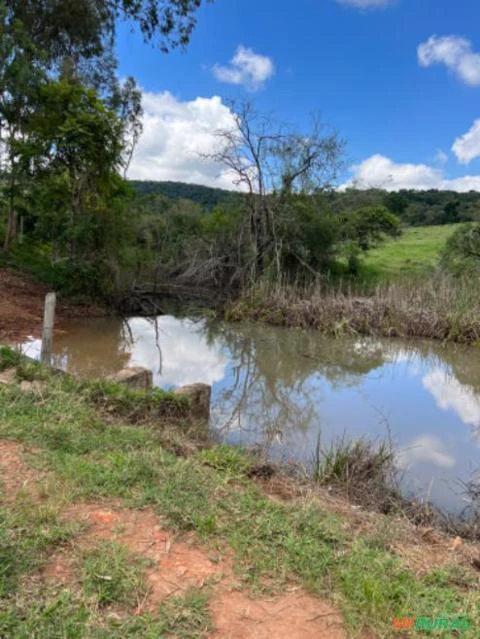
x: 270, y: 162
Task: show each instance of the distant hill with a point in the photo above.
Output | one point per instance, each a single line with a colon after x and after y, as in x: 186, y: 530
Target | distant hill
x: 415, y: 208
x: 206, y: 196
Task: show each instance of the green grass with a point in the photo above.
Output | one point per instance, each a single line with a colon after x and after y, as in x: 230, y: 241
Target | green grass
x: 207, y: 493
x: 113, y: 576
x: 415, y: 251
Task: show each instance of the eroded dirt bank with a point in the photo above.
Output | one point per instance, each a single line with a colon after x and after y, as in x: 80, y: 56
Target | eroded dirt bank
x: 21, y: 307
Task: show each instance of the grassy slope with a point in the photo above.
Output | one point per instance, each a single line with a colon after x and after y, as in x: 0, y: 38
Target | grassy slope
x: 417, y: 249
x: 207, y: 493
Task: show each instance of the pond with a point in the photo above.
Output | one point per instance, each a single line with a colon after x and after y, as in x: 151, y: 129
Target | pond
x: 284, y: 389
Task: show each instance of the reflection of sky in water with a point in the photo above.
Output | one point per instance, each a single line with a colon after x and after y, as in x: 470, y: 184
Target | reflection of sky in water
x: 287, y: 388
x: 183, y: 355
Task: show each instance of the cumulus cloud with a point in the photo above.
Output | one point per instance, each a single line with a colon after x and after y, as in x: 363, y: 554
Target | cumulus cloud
x: 467, y: 146
x: 381, y: 172
x: 176, y: 136
x: 246, y: 68
x: 367, y: 4
x: 456, y: 53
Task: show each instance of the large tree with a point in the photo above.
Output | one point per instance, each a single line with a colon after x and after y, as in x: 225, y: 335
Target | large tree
x: 48, y: 41
x: 85, y: 28
x: 274, y: 164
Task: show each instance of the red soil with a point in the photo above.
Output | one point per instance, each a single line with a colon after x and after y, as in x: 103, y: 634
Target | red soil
x: 21, y: 307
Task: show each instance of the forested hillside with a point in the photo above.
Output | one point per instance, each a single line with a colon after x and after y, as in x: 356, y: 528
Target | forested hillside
x: 415, y: 208
x: 206, y: 196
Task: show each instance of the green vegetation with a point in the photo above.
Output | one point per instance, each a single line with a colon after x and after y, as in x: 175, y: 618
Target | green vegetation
x: 274, y: 544
x: 416, y: 252
x: 113, y: 576
x: 365, y: 471
x: 206, y: 197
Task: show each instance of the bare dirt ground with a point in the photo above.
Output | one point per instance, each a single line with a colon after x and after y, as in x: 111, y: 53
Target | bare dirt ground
x: 21, y: 307
x: 175, y: 565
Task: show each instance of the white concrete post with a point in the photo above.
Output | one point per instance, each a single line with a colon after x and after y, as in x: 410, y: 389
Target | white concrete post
x: 48, y: 322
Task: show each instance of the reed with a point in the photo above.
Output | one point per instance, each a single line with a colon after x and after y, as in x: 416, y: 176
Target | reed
x: 438, y: 307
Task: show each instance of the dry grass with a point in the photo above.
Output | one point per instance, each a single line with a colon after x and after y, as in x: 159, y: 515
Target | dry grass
x: 440, y: 307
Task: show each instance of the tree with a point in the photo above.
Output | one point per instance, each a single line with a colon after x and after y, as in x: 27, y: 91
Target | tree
x: 86, y: 28
x: 462, y: 251
x: 365, y: 228
x: 75, y: 146
x: 271, y: 163
x: 21, y: 73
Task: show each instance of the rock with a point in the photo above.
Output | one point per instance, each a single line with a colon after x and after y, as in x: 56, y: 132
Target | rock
x: 199, y: 396
x: 135, y: 377
x: 9, y: 376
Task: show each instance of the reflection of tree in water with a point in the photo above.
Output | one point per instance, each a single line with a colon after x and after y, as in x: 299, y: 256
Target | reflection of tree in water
x: 277, y: 375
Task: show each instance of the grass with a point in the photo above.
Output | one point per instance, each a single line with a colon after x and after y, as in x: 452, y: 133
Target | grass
x: 209, y: 494
x: 414, y: 252
x: 113, y: 576
x: 440, y: 306
x: 363, y: 470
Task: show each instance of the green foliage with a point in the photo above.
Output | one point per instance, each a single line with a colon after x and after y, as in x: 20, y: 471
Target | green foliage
x: 309, y: 235
x: 207, y: 197
x: 28, y: 532
x: 414, y: 208
x: 9, y: 358
x: 136, y: 405
x: 416, y: 252
x: 87, y: 28
x: 113, y: 576
x: 462, y: 251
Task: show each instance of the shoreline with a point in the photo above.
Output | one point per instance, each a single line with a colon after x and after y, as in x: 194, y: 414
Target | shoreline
x: 82, y: 448
x: 22, y: 301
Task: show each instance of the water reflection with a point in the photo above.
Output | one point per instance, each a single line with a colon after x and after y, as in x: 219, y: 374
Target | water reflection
x: 450, y: 394
x: 283, y: 388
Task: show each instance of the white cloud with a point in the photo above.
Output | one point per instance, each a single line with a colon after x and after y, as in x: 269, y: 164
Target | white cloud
x: 456, y: 53
x: 176, y: 134
x: 246, y: 68
x: 381, y: 172
x: 367, y: 4
x: 426, y: 448
x: 467, y: 146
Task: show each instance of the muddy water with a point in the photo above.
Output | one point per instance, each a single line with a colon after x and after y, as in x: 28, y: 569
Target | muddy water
x: 284, y: 388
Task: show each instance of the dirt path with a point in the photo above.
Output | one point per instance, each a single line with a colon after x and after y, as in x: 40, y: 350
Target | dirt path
x: 175, y: 566
x: 21, y: 307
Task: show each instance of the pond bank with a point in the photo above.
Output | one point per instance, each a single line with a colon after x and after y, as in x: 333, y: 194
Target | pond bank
x: 251, y: 539
x: 22, y: 301
x: 435, y: 306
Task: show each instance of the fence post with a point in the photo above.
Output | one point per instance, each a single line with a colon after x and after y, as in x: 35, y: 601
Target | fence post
x: 48, y: 322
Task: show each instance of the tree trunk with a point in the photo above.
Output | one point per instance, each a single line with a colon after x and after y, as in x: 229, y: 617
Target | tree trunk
x: 11, y: 230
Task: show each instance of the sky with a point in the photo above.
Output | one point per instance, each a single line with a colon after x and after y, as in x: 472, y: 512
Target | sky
x: 399, y: 80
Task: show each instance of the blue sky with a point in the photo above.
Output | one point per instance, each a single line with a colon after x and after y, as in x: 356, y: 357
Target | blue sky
x: 400, y: 80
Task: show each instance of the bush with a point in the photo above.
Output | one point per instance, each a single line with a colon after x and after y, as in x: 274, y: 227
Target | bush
x: 462, y: 251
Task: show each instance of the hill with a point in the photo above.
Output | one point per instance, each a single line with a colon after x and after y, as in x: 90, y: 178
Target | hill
x: 416, y: 250
x: 205, y: 196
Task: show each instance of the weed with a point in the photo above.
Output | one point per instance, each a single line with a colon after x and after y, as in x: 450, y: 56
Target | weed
x: 113, y: 576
